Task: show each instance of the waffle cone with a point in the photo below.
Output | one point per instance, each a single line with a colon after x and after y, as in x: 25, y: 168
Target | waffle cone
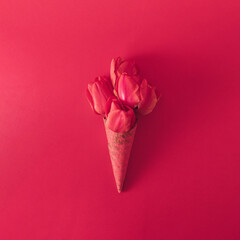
x: 119, y: 146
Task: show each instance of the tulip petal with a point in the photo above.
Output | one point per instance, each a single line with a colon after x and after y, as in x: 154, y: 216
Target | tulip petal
x: 112, y: 72
x: 149, y: 98
x: 109, y: 105
x: 128, y: 67
x: 119, y: 118
x: 128, y: 91
x: 115, y: 63
x: 114, y: 121
x: 99, y: 92
x: 120, y: 121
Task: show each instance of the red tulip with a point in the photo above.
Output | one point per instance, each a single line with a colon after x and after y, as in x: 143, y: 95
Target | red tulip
x: 120, y: 118
x: 128, y: 91
x: 126, y: 81
x: 148, y: 98
x: 120, y: 66
x: 98, y: 93
x: 115, y: 63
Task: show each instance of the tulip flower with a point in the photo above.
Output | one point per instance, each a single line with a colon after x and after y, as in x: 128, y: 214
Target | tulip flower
x: 98, y: 93
x: 120, y: 66
x: 148, y: 98
x: 125, y: 79
x: 119, y: 118
x: 128, y: 90
x: 142, y: 97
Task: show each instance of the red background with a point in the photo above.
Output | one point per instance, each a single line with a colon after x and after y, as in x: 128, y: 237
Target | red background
x: 183, y: 179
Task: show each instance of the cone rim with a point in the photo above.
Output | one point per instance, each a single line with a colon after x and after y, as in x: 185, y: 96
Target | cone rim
x: 134, y: 127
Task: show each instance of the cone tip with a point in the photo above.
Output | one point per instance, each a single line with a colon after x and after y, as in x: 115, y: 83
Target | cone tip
x: 119, y: 190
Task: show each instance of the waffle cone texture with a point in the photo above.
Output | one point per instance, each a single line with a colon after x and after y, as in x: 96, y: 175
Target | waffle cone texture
x: 119, y: 146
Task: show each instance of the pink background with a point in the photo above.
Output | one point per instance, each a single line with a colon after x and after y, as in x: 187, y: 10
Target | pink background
x: 183, y: 180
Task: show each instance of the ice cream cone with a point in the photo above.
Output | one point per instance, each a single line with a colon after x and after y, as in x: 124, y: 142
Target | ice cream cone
x: 119, y: 146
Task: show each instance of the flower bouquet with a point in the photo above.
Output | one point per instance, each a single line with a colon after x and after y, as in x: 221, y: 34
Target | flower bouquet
x: 120, y: 99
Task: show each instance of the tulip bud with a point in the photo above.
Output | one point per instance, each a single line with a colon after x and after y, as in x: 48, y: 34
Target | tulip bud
x: 119, y: 118
x: 148, y: 98
x: 128, y: 90
x: 120, y: 66
x: 98, y: 93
